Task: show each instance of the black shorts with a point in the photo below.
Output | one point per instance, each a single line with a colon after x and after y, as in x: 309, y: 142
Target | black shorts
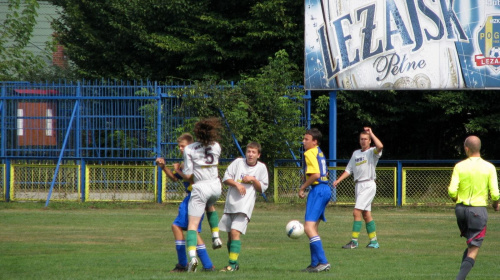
x: 472, y: 221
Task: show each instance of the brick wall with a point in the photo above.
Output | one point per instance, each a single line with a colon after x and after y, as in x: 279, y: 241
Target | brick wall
x: 59, y: 58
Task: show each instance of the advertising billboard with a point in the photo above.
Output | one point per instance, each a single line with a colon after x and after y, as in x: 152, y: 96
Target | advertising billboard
x: 402, y: 44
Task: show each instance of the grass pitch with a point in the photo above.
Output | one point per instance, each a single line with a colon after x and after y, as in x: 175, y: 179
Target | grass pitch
x: 134, y: 241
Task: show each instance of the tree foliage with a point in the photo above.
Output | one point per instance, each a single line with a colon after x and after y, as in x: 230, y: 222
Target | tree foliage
x: 263, y: 108
x: 16, y: 63
x: 416, y: 124
x: 189, y: 39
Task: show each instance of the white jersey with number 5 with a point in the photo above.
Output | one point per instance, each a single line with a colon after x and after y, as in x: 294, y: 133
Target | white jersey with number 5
x: 202, y: 161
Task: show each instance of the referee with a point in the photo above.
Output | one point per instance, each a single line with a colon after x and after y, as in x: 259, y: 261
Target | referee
x: 471, y: 181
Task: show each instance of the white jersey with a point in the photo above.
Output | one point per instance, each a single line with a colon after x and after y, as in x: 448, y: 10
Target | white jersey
x: 202, y: 161
x: 235, y: 203
x: 362, y: 164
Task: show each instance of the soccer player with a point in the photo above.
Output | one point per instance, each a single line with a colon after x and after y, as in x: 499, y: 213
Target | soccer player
x: 181, y: 221
x: 317, y: 200
x: 362, y: 165
x: 246, y: 178
x: 471, y: 181
x: 201, y: 161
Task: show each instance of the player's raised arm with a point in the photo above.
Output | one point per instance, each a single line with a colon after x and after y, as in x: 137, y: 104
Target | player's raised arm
x: 376, y: 141
x: 161, y: 163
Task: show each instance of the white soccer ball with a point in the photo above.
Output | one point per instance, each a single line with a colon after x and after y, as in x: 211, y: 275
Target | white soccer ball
x: 294, y: 229
x: 495, y: 52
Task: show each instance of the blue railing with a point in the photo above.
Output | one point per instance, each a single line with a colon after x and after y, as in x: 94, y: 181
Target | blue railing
x: 94, y: 121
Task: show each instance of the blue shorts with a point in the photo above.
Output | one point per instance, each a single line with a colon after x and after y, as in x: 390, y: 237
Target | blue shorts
x: 182, y: 219
x: 317, y: 200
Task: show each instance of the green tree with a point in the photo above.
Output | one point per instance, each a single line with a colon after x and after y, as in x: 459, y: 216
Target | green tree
x: 263, y: 108
x: 16, y: 63
x: 470, y: 112
x: 415, y: 124
x: 188, y: 39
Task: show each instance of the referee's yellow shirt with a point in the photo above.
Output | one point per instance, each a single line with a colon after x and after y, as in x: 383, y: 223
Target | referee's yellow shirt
x: 471, y: 181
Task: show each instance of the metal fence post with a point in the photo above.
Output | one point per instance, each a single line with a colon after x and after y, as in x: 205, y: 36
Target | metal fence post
x: 7, y: 180
x: 3, y: 134
x: 399, y: 183
x: 332, y: 145
x: 83, y: 179
x: 159, y: 183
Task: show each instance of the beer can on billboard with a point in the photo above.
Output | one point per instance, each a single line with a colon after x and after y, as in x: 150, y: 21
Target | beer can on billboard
x: 396, y: 44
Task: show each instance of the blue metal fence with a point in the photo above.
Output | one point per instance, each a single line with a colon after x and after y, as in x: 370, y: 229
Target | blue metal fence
x: 118, y: 121
x: 92, y: 122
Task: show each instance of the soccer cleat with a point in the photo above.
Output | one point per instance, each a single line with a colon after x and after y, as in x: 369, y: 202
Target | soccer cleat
x: 308, y: 269
x: 216, y: 243
x: 373, y: 245
x: 351, y: 245
x: 230, y: 268
x: 193, y: 263
x: 210, y: 269
x: 179, y: 268
x: 321, y: 267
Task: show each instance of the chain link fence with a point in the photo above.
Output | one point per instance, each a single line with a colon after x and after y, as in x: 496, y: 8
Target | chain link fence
x: 119, y: 182
x: 426, y: 185
x: 102, y: 183
x: 32, y: 182
x: 288, y: 181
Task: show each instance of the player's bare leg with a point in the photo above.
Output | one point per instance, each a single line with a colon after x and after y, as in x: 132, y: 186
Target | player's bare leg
x: 311, y: 228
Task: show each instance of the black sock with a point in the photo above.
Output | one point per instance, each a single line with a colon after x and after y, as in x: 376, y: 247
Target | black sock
x: 465, y: 254
x: 466, y: 266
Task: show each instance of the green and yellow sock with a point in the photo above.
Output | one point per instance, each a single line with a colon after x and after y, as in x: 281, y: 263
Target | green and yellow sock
x: 234, y: 252
x: 191, y: 242
x: 213, y: 221
x: 370, y: 229
x: 356, y: 229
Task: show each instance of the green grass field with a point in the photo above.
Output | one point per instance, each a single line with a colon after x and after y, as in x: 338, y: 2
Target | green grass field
x: 134, y: 241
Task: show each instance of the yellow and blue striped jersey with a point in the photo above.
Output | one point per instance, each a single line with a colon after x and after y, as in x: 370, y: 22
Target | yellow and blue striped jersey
x: 316, y: 163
